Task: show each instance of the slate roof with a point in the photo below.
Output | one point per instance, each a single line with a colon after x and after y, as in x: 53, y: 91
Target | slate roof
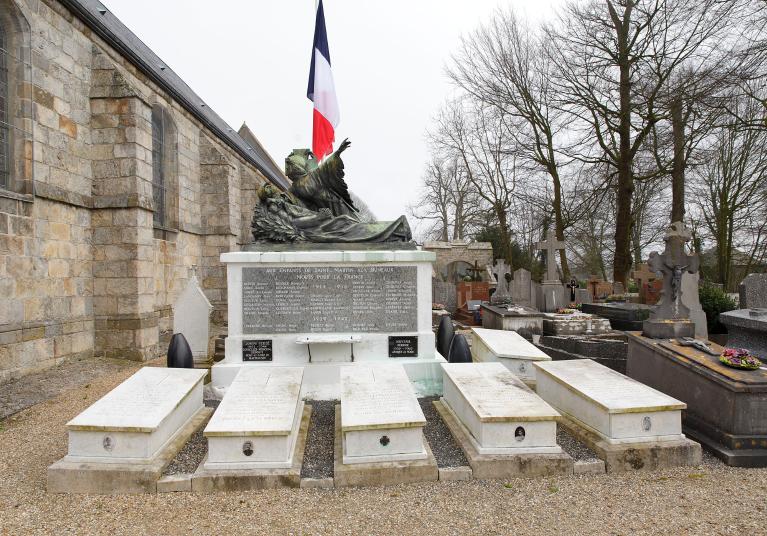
x: 107, y: 26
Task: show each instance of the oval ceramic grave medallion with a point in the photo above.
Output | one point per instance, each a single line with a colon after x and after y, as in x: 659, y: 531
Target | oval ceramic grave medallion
x: 247, y: 448
x: 646, y: 424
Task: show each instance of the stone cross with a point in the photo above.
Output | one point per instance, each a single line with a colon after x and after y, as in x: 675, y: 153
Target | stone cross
x: 551, y: 245
x: 502, y: 274
x: 643, y: 275
x: 672, y: 263
x: 572, y: 285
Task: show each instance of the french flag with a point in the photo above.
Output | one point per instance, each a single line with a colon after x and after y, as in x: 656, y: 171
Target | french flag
x: 322, y: 91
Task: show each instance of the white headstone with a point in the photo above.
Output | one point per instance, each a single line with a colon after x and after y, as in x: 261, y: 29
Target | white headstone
x: 508, y: 348
x: 136, y: 419
x: 381, y: 419
x: 191, y: 317
x: 501, y: 414
x: 257, y: 422
x: 614, y: 406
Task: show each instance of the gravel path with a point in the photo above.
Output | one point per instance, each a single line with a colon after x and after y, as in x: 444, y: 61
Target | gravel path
x: 686, y: 500
x: 192, y: 454
x: 577, y: 450
x: 445, y: 449
x: 36, y: 388
x: 318, y: 455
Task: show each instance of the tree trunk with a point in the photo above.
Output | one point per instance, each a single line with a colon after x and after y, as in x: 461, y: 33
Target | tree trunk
x: 679, y: 164
x: 625, y: 189
x: 503, y: 228
x: 559, y: 224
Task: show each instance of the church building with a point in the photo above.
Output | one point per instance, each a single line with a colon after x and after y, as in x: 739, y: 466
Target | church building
x: 117, y: 184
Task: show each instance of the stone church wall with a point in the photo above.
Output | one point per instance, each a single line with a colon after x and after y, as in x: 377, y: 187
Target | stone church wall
x: 83, y: 270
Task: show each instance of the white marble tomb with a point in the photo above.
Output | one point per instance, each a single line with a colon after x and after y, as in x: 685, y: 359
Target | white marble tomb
x: 381, y: 420
x: 501, y: 414
x: 138, y: 418
x: 257, y: 422
x: 508, y: 348
x: 616, y: 407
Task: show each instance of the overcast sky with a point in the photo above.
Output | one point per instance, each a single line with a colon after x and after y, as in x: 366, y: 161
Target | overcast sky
x: 249, y: 60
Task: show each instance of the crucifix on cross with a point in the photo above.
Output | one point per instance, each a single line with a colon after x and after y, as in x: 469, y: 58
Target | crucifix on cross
x: 551, y: 245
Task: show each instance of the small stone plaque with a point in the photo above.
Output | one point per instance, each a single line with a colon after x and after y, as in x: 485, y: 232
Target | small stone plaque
x: 257, y: 350
x: 403, y: 346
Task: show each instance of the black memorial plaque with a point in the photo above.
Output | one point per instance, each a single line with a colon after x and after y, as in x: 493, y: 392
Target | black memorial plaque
x: 403, y: 346
x: 334, y: 299
x: 257, y: 350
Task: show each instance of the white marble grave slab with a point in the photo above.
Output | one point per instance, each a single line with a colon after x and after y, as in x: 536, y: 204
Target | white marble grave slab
x: 136, y: 419
x: 257, y: 422
x: 381, y: 419
x: 616, y: 407
x: 508, y: 348
x: 501, y: 414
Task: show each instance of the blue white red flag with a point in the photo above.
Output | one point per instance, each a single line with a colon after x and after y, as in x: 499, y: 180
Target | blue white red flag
x: 322, y: 91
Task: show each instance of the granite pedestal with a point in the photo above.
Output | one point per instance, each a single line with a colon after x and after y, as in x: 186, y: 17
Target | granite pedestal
x: 622, y: 316
x: 747, y: 328
x: 574, y: 324
x: 726, y: 407
x: 324, y: 309
x: 524, y: 320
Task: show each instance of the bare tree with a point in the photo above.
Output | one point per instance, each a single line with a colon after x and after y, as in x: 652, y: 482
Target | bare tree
x: 503, y: 64
x: 615, y: 57
x: 476, y: 134
x: 731, y: 191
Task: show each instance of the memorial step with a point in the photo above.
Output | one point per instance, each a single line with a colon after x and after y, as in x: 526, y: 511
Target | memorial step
x: 381, y: 420
x: 615, y: 407
x: 257, y: 422
x: 138, y: 418
x: 501, y: 414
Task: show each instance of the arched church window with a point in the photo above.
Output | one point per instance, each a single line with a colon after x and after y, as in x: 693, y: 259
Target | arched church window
x: 163, y: 168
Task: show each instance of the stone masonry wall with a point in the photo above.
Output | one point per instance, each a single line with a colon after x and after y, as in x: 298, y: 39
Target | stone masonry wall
x: 82, y: 269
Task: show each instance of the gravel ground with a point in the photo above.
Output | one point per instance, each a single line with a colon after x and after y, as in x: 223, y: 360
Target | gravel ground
x: 445, y: 449
x: 577, y: 450
x: 318, y: 456
x: 192, y: 454
x: 685, y: 500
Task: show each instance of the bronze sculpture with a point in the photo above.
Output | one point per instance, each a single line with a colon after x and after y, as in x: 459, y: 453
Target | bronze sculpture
x: 318, y: 208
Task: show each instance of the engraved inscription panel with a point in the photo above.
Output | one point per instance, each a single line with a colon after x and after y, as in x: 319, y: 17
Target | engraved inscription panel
x: 321, y: 299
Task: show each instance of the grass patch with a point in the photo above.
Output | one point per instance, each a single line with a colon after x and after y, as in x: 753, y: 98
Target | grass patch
x: 508, y: 485
x: 553, y: 488
x: 696, y: 475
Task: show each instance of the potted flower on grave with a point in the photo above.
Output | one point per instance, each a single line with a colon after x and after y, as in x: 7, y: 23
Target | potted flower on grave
x: 566, y: 311
x: 739, y: 358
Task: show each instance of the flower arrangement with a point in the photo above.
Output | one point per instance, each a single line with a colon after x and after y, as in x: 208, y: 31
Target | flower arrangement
x: 437, y: 306
x: 739, y: 358
x: 566, y: 311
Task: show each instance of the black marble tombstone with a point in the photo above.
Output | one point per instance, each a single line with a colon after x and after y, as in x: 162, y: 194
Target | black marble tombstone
x: 179, y: 352
x: 459, y: 350
x: 445, y: 333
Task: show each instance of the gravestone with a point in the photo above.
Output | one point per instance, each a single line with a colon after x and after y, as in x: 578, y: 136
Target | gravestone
x: 600, y: 288
x: 691, y: 300
x: 642, y: 276
x: 501, y: 414
x: 508, y: 348
x: 753, y: 292
x: 502, y: 275
x: 381, y: 420
x: 551, y: 245
x: 671, y: 317
x: 583, y: 295
x: 521, y: 290
x: 191, y: 317
x: 619, y: 289
x: 256, y: 424
x: 619, y: 409
x: 652, y: 291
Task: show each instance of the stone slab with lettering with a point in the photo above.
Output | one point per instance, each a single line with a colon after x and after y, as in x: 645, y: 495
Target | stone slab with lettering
x: 508, y: 348
x: 191, y: 317
x: 381, y: 420
x: 615, y: 407
x: 326, y: 309
x: 136, y: 419
x: 521, y: 291
x: 502, y: 415
x: 256, y: 424
x: 574, y: 324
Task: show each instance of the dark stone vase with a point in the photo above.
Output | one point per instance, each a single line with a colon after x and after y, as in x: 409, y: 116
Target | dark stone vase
x: 445, y: 333
x: 459, y: 350
x: 179, y: 353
